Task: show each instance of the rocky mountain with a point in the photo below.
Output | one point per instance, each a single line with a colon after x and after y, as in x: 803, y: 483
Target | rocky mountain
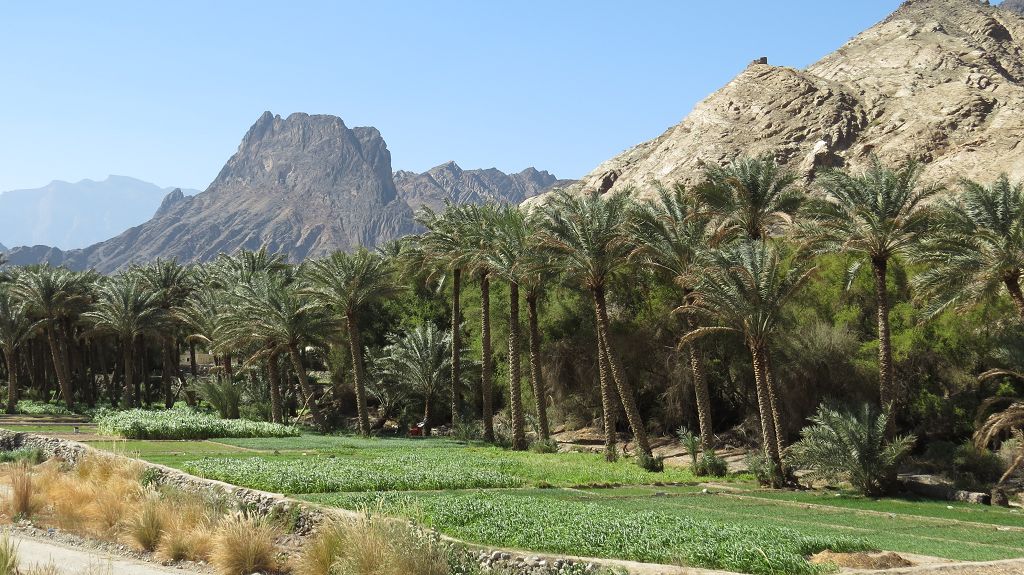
x: 450, y: 182
x: 1015, y: 5
x: 303, y: 186
x: 3, y: 248
x: 941, y: 81
x: 75, y: 215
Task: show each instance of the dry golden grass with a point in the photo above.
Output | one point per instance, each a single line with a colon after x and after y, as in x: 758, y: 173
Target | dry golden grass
x: 146, y: 526
x: 371, y: 545
x: 21, y: 502
x: 320, y: 552
x: 241, y: 546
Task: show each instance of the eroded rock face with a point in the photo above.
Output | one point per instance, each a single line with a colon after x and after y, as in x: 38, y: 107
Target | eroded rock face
x: 941, y: 81
x: 302, y: 185
x: 450, y: 182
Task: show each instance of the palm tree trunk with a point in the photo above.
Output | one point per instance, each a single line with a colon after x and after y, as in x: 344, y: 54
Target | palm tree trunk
x: 456, y: 345
x: 607, y: 402
x: 625, y: 390
x: 768, y: 441
x: 885, y: 385
x: 769, y: 379
x: 426, y: 416
x: 229, y: 370
x: 300, y: 374
x: 515, y: 390
x: 127, y: 347
x: 167, y: 372
x: 1013, y: 286
x: 701, y: 393
x: 274, y: 377
x: 486, y: 383
x: 59, y: 365
x: 356, y: 348
x: 536, y: 377
x: 12, y: 379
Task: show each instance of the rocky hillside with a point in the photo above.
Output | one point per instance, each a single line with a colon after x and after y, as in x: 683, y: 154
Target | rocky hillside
x: 1015, y: 5
x: 941, y: 81
x: 450, y: 182
x: 303, y: 186
x: 75, y: 215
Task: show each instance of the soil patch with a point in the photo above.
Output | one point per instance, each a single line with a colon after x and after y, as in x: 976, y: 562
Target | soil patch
x: 861, y: 560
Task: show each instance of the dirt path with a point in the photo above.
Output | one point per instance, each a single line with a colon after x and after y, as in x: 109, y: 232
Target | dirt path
x: 70, y: 560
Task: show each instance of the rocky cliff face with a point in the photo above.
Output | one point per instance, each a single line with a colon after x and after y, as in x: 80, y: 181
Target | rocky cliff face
x: 450, y: 182
x: 1014, y: 5
x: 303, y: 185
x: 941, y: 81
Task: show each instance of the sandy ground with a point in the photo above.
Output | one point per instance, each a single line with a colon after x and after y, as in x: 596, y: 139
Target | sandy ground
x: 70, y: 560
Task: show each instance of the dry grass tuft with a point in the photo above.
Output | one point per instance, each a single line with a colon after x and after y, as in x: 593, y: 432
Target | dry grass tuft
x: 8, y: 555
x: 241, y: 546
x: 372, y: 545
x: 21, y: 503
x: 44, y: 569
x: 145, y: 528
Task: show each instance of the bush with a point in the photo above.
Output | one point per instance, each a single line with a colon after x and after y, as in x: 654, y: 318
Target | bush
x: 762, y: 468
x: 710, y: 464
x: 975, y: 468
x: 544, y: 446
x: 30, y: 407
x: 21, y: 498
x: 225, y: 396
x: 653, y: 463
x: 468, y: 430
x: 851, y: 446
x: 185, y: 424
x: 30, y: 455
x: 146, y: 527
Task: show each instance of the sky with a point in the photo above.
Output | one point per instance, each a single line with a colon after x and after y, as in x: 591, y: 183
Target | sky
x: 164, y: 91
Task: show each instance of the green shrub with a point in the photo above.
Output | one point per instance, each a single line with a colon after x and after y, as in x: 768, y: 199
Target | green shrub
x: 690, y: 440
x: 975, y: 468
x: 185, y: 424
x: 30, y: 455
x: 467, y: 431
x: 710, y: 464
x: 762, y: 468
x: 225, y: 396
x: 653, y: 463
x: 30, y: 407
x: 544, y: 446
x: 851, y: 446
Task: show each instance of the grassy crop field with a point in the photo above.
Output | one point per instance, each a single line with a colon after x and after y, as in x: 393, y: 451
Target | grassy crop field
x: 578, y: 504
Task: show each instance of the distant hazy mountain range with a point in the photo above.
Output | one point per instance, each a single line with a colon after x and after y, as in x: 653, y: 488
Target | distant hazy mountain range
x: 304, y: 185
x: 74, y: 215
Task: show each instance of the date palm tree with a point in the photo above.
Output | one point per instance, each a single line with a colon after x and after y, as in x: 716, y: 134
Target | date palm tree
x: 744, y: 291
x: 673, y: 234
x: 444, y: 248
x: 16, y: 328
x: 754, y: 197
x: 588, y: 234
x: 125, y: 307
x: 978, y: 247
x: 172, y: 283
x: 476, y: 221
x: 347, y: 284
x: 509, y: 258
x: 873, y: 216
x: 420, y: 362
x: 270, y: 312
x: 54, y: 295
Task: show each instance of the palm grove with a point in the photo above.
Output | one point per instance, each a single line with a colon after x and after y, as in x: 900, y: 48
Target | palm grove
x: 735, y: 307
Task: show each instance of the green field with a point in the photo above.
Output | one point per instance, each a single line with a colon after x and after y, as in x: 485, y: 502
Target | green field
x: 578, y: 504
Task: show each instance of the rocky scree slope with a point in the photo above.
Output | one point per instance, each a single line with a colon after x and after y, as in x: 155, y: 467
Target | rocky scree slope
x: 940, y: 81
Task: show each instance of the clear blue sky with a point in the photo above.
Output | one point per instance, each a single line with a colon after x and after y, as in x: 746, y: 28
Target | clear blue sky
x: 164, y: 91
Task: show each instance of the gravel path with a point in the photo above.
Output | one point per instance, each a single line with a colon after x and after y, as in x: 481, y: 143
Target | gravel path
x: 70, y: 560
